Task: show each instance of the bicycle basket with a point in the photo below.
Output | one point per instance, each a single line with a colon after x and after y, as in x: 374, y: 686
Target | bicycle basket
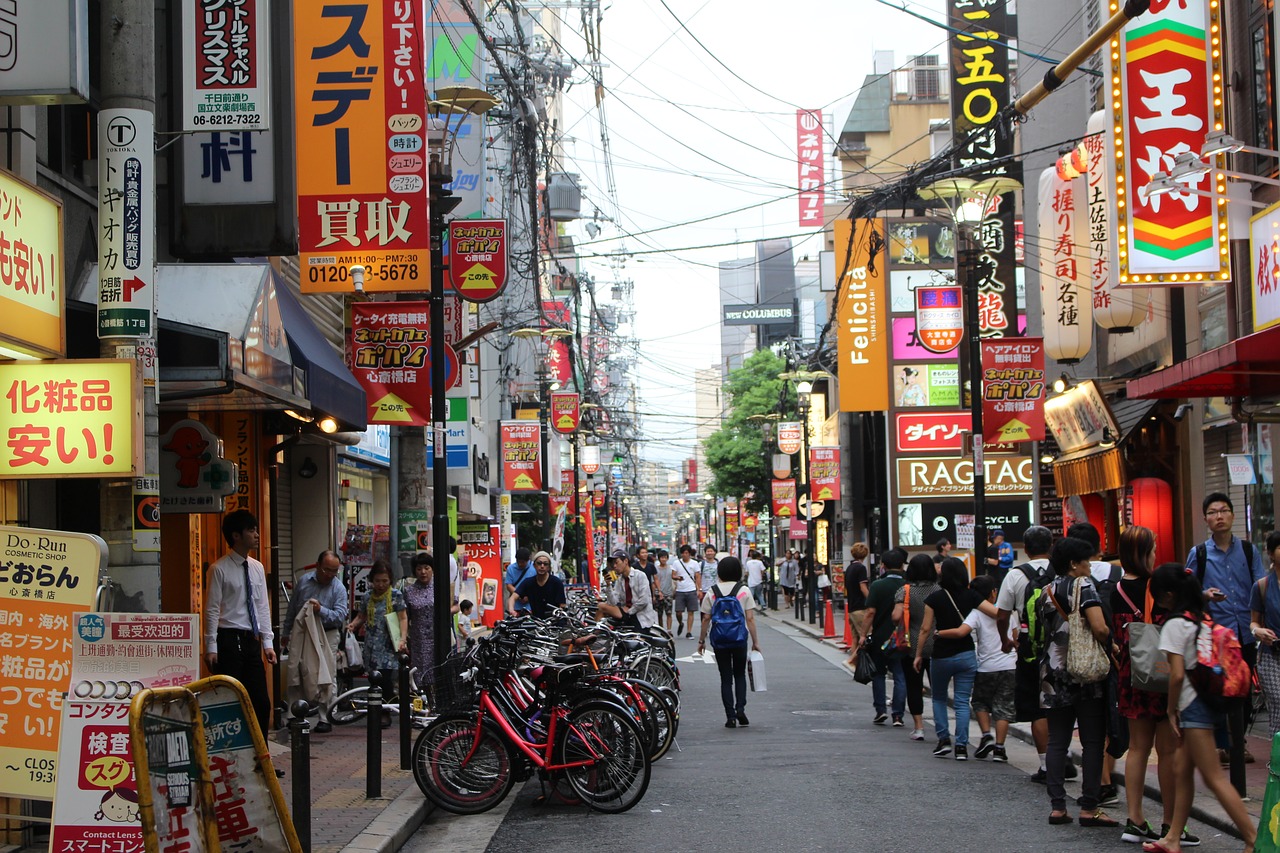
x: 455, y: 684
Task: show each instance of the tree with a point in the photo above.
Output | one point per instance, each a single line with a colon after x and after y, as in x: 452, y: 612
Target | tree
x: 739, y: 459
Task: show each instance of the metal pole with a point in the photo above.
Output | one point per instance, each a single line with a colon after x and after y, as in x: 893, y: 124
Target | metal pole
x: 373, y: 745
x: 442, y: 202
x: 406, y: 717
x: 970, y: 263
x: 300, y: 755
x: 545, y: 441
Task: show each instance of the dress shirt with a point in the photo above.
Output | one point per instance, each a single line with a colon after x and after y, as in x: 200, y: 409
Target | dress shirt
x: 332, y: 598
x: 227, y: 606
x: 1227, y: 571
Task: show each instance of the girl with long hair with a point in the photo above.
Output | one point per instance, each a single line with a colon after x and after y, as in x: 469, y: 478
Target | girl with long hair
x: 908, y: 612
x: 954, y: 659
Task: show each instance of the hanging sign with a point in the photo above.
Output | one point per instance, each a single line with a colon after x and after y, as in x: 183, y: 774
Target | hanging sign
x: 824, y: 473
x: 391, y: 359
x: 790, y: 436
x: 1013, y: 390
x: 478, y: 258
x: 1264, y: 253
x: 810, y: 144
x: 564, y: 411
x: 784, y: 498
x: 563, y: 494
x: 939, y: 318
x: 1065, y: 285
x: 1240, y: 469
x: 126, y: 223
x: 195, y: 476
x: 862, y: 312
x: 590, y: 458
x: 521, y: 456
x: 226, y: 75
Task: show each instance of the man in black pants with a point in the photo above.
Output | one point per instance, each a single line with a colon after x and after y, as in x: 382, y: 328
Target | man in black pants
x: 237, y: 616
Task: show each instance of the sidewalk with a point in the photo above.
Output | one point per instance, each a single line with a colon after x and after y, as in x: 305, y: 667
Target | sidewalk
x: 1205, y: 808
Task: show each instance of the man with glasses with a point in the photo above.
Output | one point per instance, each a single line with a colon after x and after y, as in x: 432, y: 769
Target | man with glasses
x: 322, y: 592
x: 541, y: 592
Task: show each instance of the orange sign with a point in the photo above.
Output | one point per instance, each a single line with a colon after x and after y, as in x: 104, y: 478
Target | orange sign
x: 70, y: 418
x: 862, y: 329
x: 361, y: 146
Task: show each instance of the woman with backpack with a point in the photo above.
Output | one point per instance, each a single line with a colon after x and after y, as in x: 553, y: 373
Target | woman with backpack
x: 1264, y: 622
x: 953, y: 659
x: 908, y: 614
x: 1184, y: 638
x: 728, y: 617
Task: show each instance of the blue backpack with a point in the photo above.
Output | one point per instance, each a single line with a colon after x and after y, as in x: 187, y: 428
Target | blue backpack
x: 728, y: 620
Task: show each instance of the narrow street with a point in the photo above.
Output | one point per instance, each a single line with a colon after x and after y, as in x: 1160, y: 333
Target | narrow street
x: 811, y: 773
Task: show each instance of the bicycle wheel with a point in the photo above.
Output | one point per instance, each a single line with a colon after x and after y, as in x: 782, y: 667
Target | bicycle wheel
x: 350, y: 706
x: 456, y: 772
x: 617, y: 694
x: 654, y: 670
x: 616, y: 773
x: 664, y: 719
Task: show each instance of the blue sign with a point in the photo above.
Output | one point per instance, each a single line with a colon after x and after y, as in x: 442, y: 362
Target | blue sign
x: 457, y: 444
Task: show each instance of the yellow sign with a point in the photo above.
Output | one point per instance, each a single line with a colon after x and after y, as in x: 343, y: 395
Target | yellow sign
x: 70, y: 418
x: 46, y: 578
x: 32, y: 296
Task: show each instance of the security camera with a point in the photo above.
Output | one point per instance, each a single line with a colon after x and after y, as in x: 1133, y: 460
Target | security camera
x: 1181, y: 411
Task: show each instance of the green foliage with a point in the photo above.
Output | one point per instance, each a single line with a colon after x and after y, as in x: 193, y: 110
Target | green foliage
x: 737, y: 454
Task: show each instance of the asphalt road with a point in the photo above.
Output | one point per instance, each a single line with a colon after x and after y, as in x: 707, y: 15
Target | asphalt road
x: 810, y: 774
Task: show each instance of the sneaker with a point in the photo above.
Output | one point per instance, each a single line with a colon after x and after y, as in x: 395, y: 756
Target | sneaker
x: 881, y: 719
x: 897, y: 721
x: 961, y: 752
x: 1039, y: 776
x: 1135, y: 834
x: 985, y: 746
x: 742, y: 720
x: 1223, y: 758
x: 998, y: 753
x: 1072, y: 772
x: 917, y: 734
x: 1188, y: 840
x: 1108, y: 795
x: 943, y: 748
x: 731, y: 723
x: 688, y: 636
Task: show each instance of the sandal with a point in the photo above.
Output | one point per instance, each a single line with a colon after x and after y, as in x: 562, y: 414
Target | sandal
x: 1154, y: 847
x: 1098, y: 818
x: 1059, y: 819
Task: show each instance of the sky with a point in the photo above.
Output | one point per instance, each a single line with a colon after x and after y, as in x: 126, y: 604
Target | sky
x: 700, y: 127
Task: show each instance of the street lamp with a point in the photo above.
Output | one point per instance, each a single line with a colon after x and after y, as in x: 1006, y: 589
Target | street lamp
x: 968, y: 202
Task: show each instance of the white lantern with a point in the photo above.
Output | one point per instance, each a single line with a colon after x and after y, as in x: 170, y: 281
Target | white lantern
x: 1065, y: 299
x: 1115, y: 307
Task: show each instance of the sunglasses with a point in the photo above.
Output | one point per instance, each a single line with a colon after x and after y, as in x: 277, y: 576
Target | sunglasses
x: 542, y: 562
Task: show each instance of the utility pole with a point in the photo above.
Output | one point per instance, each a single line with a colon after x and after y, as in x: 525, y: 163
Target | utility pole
x: 128, y: 82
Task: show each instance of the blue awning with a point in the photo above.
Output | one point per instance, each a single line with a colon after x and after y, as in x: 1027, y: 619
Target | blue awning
x: 330, y: 386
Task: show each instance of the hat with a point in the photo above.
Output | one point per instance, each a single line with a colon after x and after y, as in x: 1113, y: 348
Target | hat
x: 619, y: 554
x: 542, y: 555
x: 997, y: 531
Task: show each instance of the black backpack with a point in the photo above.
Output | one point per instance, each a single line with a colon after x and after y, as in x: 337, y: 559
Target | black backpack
x: 1202, y: 558
x: 1106, y: 588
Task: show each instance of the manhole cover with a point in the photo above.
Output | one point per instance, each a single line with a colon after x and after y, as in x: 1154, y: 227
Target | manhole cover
x: 820, y: 713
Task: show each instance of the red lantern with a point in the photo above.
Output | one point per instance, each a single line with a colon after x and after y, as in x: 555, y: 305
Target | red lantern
x: 1151, y: 505
x: 1090, y: 508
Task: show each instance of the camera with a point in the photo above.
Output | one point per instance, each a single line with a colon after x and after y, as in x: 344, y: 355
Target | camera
x: 1181, y: 412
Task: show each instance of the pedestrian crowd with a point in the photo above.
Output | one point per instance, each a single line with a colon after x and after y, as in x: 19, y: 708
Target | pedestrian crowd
x: 1130, y: 659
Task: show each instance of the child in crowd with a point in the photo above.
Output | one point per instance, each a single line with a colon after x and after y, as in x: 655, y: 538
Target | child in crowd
x: 465, y: 626
x: 993, y: 684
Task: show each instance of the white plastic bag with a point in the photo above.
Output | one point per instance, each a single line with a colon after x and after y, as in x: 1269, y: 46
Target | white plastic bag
x: 755, y: 672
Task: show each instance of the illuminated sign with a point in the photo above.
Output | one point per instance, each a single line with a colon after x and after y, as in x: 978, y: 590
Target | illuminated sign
x: 32, y: 295
x: 927, y: 477
x: 862, y: 333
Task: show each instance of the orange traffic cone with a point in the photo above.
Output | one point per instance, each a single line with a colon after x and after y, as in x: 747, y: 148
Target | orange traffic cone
x: 847, y: 642
x: 828, y: 623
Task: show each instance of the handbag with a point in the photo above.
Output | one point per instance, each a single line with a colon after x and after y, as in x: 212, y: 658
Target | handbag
x: 866, y: 668
x: 1148, y: 666
x: 823, y: 581
x: 1087, y: 662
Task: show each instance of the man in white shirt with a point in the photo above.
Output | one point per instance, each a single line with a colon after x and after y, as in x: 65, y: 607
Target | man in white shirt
x: 632, y: 596
x: 708, y: 574
x: 755, y: 576
x: 237, y: 617
x: 686, y: 573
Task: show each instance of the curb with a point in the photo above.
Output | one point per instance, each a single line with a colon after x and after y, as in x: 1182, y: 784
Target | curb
x: 391, y: 829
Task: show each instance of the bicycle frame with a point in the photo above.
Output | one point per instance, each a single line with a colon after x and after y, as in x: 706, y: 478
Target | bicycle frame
x: 538, y: 753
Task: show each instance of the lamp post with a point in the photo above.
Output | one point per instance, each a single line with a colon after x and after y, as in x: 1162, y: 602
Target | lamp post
x: 804, y: 388
x: 968, y: 201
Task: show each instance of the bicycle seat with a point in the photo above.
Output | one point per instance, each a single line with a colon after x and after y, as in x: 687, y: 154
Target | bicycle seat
x: 550, y: 676
x: 630, y: 646
x: 572, y: 659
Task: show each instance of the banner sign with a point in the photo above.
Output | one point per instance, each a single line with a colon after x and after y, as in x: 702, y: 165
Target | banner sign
x: 924, y: 477
x: 44, y: 52
x: 759, y: 315
x: 561, y: 496
x: 1264, y: 270
x: 47, y: 578
x: 590, y: 456
x: 478, y: 258
x: 1168, y: 98
x: 391, y: 359
x: 32, y: 292
x: 824, y: 473
x: 918, y: 385
x: 784, y: 498
x: 457, y: 437
x: 1013, y: 390
x: 790, y: 436
x: 811, y: 178
x: 564, y: 411
x: 939, y: 318
x: 226, y: 72
x: 521, y: 456
x: 862, y: 315
x: 126, y: 223
x: 934, y: 432
x: 70, y: 418
x: 1066, y: 302
x: 361, y: 146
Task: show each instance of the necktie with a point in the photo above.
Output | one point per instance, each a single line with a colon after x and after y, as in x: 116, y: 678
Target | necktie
x: 248, y: 597
x: 627, y: 581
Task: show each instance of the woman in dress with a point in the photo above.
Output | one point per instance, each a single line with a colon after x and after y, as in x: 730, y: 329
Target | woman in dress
x: 380, y: 647
x: 420, y: 598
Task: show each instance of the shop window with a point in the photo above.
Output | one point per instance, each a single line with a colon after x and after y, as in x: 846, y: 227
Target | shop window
x: 1260, y: 68
x: 1213, y: 322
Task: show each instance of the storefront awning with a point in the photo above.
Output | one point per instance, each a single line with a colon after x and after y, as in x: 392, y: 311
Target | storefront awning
x: 1245, y: 367
x: 1100, y: 469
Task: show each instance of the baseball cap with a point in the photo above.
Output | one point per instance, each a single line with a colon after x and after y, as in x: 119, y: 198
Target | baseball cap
x: 619, y: 554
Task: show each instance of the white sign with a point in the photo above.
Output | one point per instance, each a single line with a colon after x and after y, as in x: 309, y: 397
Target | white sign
x: 44, y: 52
x: 229, y: 167
x: 1264, y: 262
x: 964, y: 532
x: 374, y: 446
x: 126, y: 224
x: 225, y: 68
x: 1240, y: 469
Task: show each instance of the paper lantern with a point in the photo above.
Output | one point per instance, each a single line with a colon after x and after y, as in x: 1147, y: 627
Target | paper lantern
x: 1151, y: 506
x: 1090, y: 508
x: 1065, y: 300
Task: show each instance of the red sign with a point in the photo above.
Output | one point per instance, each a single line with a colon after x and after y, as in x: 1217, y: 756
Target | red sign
x: 784, y: 498
x: 561, y: 496
x: 811, y: 175
x: 939, y: 318
x: 522, y: 456
x: 556, y: 316
x: 390, y: 357
x: 790, y: 437
x: 824, y: 473
x: 798, y: 529
x: 931, y: 432
x: 1013, y: 390
x: 597, y: 499
x: 478, y: 258
x: 691, y: 477
x: 564, y: 411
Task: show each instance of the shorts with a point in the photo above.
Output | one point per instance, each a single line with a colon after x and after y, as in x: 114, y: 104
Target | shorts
x: 993, y: 692
x: 686, y: 602
x: 1026, y: 692
x: 662, y: 605
x: 1198, y: 715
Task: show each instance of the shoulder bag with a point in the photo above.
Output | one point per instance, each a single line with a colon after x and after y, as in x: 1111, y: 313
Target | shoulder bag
x: 1087, y: 662
x: 1148, y: 666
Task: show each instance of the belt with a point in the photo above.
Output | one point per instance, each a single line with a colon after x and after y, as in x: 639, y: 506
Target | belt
x: 239, y: 632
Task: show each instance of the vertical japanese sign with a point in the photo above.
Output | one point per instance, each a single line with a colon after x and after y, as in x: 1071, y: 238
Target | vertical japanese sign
x: 939, y: 318
x: 146, y: 513
x: 361, y: 145
x: 981, y: 30
x: 1013, y: 390
x: 784, y: 498
x: 556, y: 316
x: 391, y: 359
x: 47, y: 578
x: 521, y: 456
x: 810, y: 172
x: 226, y: 70
x: 32, y: 294
x: 478, y: 258
x: 1065, y: 301
x: 126, y: 223
x: 70, y: 418
x: 1167, y: 99
x: 824, y: 473
x: 563, y: 493
x: 862, y: 310
x: 564, y: 411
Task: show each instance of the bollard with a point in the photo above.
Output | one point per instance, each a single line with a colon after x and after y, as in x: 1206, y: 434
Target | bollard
x: 1268, y: 827
x: 300, y: 753
x: 812, y: 584
x: 406, y: 718
x: 847, y: 643
x: 828, y: 622
x: 373, y: 755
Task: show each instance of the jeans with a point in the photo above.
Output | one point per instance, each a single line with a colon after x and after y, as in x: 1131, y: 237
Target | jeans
x: 892, y: 664
x: 732, y: 663
x: 962, y: 667
x: 1091, y: 716
x: 757, y: 592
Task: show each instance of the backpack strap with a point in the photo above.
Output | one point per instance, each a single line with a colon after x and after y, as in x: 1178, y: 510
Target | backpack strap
x: 1133, y: 608
x: 737, y: 588
x: 1202, y: 559
x: 1029, y: 571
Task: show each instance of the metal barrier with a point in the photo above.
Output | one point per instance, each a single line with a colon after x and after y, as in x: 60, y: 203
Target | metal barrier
x: 300, y: 753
